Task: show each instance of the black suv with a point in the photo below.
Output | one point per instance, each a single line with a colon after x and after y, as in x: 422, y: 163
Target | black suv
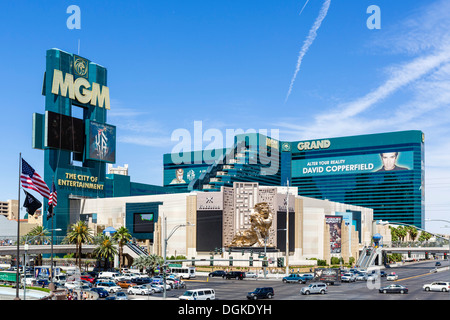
x: 235, y: 275
x: 261, y: 293
x: 217, y: 273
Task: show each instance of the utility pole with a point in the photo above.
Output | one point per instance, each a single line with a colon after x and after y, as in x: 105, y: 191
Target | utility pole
x: 287, y: 228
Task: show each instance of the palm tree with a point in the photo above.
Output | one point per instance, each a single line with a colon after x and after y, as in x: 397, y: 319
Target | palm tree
x: 122, y: 236
x: 149, y: 262
x: 140, y: 263
x: 424, y: 236
x: 80, y: 233
x: 37, y: 235
x: 106, y: 248
x: 412, y: 232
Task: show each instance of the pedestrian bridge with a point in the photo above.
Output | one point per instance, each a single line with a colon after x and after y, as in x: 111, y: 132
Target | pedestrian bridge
x: 44, y: 249
x: 133, y: 250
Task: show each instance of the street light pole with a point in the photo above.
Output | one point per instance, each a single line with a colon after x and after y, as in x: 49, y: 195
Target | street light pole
x: 287, y: 228
x: 166, y: 239
x: 51, y: 259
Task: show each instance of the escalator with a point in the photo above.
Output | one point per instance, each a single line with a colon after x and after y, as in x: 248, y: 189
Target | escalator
x: 367, y: 257
x: 135, y: 250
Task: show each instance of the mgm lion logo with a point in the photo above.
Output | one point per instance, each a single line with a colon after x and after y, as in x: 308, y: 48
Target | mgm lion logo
x: 80, y: 66
x: 261, y: 220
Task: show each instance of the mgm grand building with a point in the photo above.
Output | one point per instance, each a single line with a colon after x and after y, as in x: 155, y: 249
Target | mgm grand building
x: 239, y: 222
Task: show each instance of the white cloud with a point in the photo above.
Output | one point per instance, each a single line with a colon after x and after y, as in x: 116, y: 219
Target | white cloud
x: 309, y: 41
x: 421, y: 82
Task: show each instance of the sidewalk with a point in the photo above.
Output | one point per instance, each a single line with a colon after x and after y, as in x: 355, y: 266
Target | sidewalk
x: 10, y: 294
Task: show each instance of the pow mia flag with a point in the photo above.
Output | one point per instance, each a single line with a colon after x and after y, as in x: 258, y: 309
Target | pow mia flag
x: 31, y: 203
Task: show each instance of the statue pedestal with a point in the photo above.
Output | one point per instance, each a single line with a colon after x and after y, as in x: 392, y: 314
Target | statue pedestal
x: 252, y: 249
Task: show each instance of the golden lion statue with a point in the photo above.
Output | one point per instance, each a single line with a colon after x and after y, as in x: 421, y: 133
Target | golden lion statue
x: 261, y: 220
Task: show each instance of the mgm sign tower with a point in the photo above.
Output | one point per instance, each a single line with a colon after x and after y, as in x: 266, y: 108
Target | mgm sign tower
x: 73, y: 133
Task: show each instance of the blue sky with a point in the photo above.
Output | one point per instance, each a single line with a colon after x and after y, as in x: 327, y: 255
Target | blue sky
x: 231, y: 64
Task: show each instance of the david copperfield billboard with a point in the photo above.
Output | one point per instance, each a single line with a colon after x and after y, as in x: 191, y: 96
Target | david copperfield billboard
x: 377, y: 162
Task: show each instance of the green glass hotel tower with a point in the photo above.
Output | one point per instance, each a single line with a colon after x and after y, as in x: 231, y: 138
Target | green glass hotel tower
x: 382, y: 171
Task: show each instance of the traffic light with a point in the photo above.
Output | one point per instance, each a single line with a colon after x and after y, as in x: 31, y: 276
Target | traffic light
x: 280, y: 262
x: 264, y: 262
x: 211, y: 261
x: 409, y: 254
x: 445, y: 255
x: 426, y: 254
x: 251, y: 262
x: 231, y: 261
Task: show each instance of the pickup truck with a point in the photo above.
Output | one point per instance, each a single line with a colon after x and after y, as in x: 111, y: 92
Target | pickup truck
x: 295, y: 277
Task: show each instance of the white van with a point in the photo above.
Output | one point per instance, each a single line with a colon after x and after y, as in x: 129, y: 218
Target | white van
x: 198, y: 294
x: 111, y: 275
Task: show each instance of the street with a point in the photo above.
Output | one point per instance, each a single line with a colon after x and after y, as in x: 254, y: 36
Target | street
x: 413, y: 276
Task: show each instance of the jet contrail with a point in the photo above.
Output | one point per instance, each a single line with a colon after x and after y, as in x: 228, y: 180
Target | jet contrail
x: 303, y: 7
x: 309, y: 40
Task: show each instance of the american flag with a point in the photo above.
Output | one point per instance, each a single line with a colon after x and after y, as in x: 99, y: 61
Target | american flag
x: 32, y: 180
x: 52, y: 201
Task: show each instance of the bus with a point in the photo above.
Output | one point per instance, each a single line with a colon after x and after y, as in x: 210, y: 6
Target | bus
x: 183, y: 272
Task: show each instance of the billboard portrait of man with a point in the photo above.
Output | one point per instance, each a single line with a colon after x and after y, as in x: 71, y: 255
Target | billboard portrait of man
x: 389, y: 160
x: 179, y: 173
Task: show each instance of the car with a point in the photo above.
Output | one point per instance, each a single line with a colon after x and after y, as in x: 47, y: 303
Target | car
x: 318, y: 287
x: 87, y: 278
x: 86, y: 283
x: 121, y: 296
x: 437, y: 286
x: 261, y: 293
x: 308, y: 276
x: 437, y: 264
x: 348, y: 277
x: 372, y: 277
x: 102, y: 293
x: 140, y: 289
x: 362, y: 277
x: 42, y: 282
x: 251, y: 275
x: 217, y: 273
x: 235, y: 275
x: 174, y: 282
x: 393, y: 288
x: 82, y: 287
x: 141, y: 280
x: 161, y: 285
x: 130, y: 275
x: 294, y: 277
x: 110, y: 287
x: 154, y: 287
x: 198, y: 294
x: 392, y: 277
x: 72, y: 284
x: 125, y: 284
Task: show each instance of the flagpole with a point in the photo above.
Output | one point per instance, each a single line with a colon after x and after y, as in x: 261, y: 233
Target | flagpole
x: 18, y: 231
x: 51, y: 257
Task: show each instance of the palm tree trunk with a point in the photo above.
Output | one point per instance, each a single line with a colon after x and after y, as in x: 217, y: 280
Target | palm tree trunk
x: 79, y: 257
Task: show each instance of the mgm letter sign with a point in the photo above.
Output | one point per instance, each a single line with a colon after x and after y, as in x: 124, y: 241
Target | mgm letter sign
x: 73, y: 132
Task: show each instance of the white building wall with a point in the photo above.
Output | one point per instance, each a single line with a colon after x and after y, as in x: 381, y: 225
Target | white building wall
x: 111, y: 213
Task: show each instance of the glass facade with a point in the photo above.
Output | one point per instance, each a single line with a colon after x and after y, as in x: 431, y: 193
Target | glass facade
x: 395, y: 193
x: 384, y: 171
